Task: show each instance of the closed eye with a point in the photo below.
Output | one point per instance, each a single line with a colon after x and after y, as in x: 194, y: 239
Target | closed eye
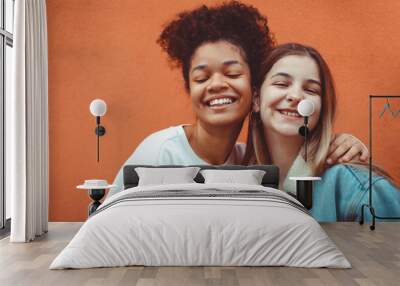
x: 313, y: 91
x: 200, y: 80
x: 281, y: 84
x: 234, y: 75
x: 313, y: 87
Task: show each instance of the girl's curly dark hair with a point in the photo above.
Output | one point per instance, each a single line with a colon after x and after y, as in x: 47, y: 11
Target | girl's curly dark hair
x: 235, y: 22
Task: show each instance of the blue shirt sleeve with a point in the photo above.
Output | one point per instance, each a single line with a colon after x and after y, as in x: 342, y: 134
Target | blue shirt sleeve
x: 343, y: 190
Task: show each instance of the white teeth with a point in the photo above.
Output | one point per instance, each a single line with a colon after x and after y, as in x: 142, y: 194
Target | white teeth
x: 220, y: 101
x: 288, y: 113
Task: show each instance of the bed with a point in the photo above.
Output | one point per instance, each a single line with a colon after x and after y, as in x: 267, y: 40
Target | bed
x: 201, y: 223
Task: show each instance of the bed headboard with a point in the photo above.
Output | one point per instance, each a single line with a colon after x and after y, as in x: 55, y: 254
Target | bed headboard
x: 270, y: 179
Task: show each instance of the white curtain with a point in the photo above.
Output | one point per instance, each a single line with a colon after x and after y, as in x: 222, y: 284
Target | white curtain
x: 27, y: 123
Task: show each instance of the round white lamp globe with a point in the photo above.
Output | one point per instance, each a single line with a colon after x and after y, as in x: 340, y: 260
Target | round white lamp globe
x: 305, y: 107
x: 98, y: 107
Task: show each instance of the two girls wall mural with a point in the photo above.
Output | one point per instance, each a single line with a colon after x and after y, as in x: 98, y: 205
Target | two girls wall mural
x: 219, y: 52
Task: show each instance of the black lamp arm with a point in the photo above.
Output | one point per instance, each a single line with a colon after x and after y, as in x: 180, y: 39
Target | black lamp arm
x: 305, y: 137
x: 99, y: 131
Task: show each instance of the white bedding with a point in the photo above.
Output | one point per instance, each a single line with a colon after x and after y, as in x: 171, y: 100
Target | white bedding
x: 189, y: 230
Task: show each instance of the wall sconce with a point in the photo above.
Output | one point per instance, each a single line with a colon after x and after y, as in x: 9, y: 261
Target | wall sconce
x: 304, y: 185
x: 98, y: 108
x: 305, y: 109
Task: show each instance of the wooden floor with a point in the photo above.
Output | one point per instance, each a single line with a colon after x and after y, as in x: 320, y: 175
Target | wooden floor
x: 374, y: 255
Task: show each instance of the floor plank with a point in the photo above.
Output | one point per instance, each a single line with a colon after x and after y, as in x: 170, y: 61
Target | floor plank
x: 374, y: 255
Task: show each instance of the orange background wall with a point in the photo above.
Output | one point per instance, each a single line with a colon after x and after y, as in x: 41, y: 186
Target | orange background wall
x: 107, y: 49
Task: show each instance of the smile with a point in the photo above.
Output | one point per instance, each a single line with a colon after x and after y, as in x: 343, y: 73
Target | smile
x: 220, y: 101
x: 290, y: 113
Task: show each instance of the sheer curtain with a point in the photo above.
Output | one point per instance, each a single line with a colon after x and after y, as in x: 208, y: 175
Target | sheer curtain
x: 27, y: 123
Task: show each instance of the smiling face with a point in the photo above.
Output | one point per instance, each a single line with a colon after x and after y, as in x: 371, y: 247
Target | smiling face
x: 290, y: 80
x: 219, y: 83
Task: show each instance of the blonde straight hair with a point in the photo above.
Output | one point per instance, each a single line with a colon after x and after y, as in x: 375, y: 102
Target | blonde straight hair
x: 320, y: 138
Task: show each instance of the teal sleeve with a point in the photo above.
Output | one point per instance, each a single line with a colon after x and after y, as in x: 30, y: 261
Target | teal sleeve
x: 325, y: 200
x: 385, y: 200
x: 343, y: 190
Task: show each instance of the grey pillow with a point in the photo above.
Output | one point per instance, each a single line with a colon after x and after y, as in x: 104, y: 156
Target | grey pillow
x: 248, y: 177
x: 162, y: 176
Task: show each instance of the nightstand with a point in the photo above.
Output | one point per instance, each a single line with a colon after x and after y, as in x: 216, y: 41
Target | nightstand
x: 304, y: 190
x: 96, y: 190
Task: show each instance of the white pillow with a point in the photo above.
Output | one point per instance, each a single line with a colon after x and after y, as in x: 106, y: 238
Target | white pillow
x: 162, y: 176
x: 248, y: 177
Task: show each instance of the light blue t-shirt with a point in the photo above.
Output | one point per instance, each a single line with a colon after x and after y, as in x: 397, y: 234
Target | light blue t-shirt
x: 169, y: 146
